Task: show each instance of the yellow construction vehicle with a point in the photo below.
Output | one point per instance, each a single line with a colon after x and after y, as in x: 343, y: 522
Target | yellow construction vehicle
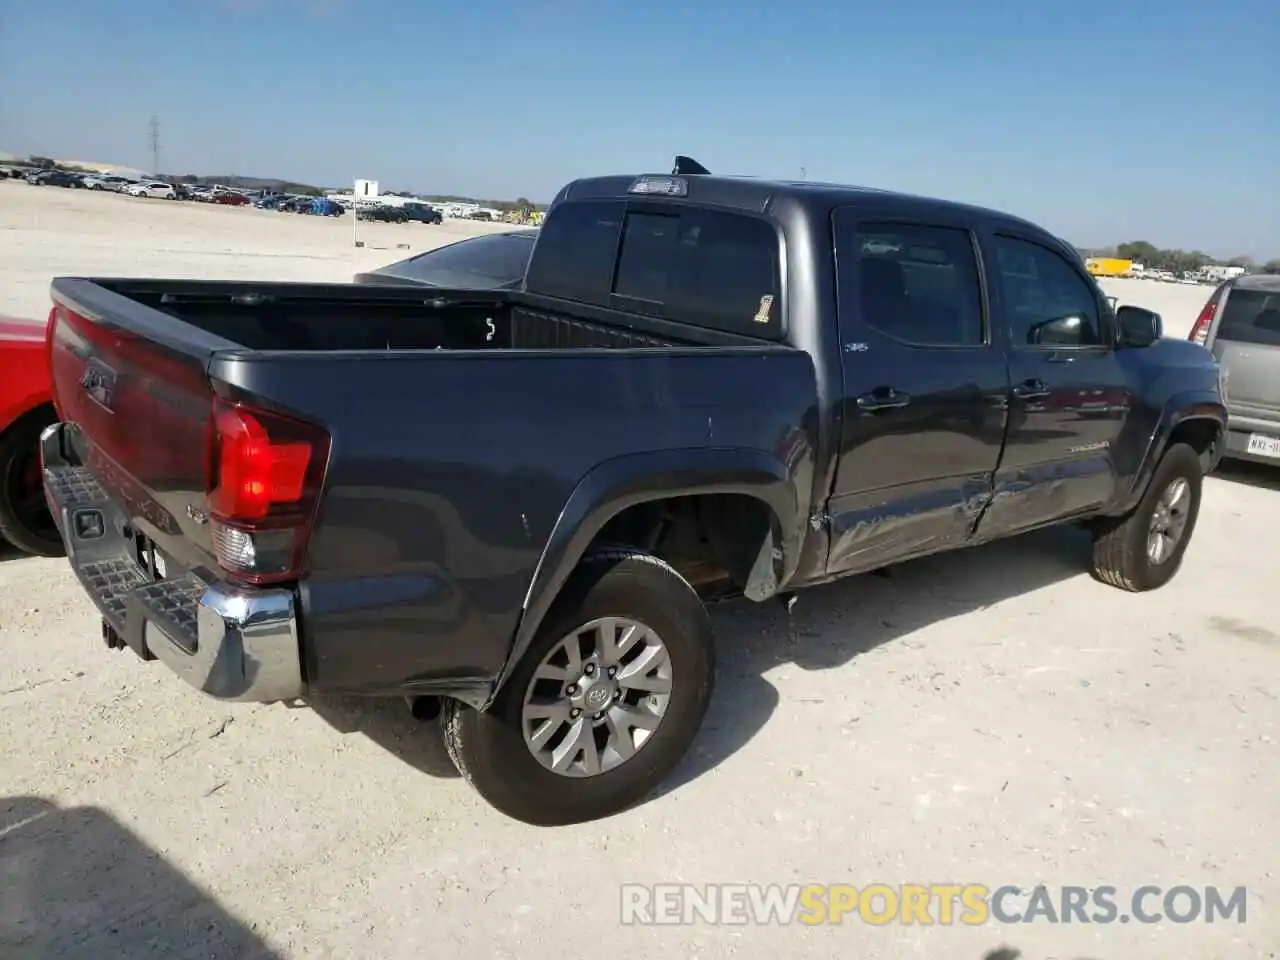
x: 523, y: 218
x: 1108, y: 266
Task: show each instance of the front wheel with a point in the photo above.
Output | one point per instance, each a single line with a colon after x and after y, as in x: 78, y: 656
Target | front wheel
x: 1144, y: 549
x: 603, y: 705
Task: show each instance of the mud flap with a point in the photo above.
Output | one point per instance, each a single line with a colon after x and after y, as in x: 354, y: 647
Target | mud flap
x: 743, y: 538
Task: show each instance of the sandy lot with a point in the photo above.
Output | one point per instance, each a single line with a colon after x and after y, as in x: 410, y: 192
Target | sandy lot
x: 51, y: 231
x: 994, y: 716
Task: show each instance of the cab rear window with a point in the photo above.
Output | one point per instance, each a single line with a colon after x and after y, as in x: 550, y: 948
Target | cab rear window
x: 709, y: 268
x: 1251, y: 316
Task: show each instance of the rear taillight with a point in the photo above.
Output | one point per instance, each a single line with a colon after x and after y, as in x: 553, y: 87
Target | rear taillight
x: 267, y: 471
x: 1200, y: 332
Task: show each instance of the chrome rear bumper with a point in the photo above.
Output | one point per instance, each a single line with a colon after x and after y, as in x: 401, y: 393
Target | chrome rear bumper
x: 230, y: 642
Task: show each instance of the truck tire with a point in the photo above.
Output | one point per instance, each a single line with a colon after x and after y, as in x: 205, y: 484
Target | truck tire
x: 25, y: 520
x: 559, y: 745
x: 1143, y: 550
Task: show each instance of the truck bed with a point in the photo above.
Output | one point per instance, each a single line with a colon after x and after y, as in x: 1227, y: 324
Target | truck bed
x: 445, y: 455
x: 341, y: 316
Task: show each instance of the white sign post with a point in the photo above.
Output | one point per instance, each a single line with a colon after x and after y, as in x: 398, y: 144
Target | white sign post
x: 363, y: 190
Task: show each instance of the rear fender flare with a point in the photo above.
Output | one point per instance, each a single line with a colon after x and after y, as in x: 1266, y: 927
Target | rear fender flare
x: 623, y: 482
x: 1179, y: 409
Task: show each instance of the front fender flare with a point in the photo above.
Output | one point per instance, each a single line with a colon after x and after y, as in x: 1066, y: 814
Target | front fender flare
x: 623, y: 482
x: 1177, y: 410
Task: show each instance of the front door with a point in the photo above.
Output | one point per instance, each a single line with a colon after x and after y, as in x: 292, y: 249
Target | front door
x: 1069, y: 395
x: 925, y: 390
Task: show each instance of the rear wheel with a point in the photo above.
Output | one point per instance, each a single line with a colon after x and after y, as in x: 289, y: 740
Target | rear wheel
x: 604, y: 704
x: 1143, y: 550
x: 25, y: 520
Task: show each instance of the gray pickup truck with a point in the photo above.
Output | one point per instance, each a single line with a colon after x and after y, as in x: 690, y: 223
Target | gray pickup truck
x: 517, y: 503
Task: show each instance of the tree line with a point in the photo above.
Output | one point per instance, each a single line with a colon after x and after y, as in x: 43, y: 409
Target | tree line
x: 1178, y: 261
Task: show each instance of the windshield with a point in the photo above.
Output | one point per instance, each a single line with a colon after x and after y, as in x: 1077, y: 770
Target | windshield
x: 479, y: 262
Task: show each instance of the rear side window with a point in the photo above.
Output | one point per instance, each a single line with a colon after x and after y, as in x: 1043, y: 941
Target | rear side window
x: 708, y: 268
x: 703, y: 267
x: 576, y: 251
x: 916, y: 283
x: 1251, y: 316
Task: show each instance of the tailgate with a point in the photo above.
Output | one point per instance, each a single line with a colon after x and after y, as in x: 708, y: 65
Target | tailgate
x: 132, y: 380
x: 1247, y: 345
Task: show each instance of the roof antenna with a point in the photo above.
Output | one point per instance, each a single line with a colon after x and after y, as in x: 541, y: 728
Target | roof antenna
x: 687, y: 166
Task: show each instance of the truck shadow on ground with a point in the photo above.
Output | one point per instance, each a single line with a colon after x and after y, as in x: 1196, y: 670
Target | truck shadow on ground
x: 78, y: 885
x: 390, y: 725
x: 829, y: 627
x: 1250, y: 474
x: 832, y: 625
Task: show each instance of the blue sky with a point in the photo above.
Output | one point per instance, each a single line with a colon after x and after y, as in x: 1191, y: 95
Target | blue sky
x: 1102, y: 121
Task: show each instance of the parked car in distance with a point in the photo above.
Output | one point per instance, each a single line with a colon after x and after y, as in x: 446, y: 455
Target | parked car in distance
x: 230, y: 198
x: 153, y: 189
x: 382, y: 214
x: 56, y: 178
x: 496, y: 261
x: 422, y: 213
x: 479, y: 215
x: 26, y: 408
x: 107, y: 182
x: 1240, y: 325
x: 324, y: 207
x: 705, y: 387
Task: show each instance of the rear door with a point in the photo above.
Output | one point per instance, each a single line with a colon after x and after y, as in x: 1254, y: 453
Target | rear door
x: 925, y: 389
x: 1246, y: 343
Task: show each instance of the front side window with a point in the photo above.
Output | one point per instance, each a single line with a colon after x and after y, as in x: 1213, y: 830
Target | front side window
x: 1047, y: 303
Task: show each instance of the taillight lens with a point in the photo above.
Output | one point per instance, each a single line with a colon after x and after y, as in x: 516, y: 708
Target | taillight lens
x: 267, y: 473
x: 1200, y: 332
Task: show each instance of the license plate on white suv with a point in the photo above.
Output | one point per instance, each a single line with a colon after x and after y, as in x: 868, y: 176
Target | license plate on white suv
x: 1264, y: 446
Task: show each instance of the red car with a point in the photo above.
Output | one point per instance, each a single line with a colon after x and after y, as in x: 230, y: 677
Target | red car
x: 26, y: 408
x: 234, y: 199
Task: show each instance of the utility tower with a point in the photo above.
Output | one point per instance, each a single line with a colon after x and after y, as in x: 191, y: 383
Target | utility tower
x: 155, y: 145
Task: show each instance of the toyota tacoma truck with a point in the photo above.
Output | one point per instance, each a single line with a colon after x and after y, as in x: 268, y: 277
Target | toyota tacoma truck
x: 517, y: 504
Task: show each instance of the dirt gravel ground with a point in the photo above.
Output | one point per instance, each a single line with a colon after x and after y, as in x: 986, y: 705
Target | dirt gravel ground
x: 993, y: 716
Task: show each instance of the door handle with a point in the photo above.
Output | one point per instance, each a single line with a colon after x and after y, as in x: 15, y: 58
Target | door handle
x: 885, y: 398
x: 1031, y: 390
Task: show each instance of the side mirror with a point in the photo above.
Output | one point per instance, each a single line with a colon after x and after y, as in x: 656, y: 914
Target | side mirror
x: 1138, y: 327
